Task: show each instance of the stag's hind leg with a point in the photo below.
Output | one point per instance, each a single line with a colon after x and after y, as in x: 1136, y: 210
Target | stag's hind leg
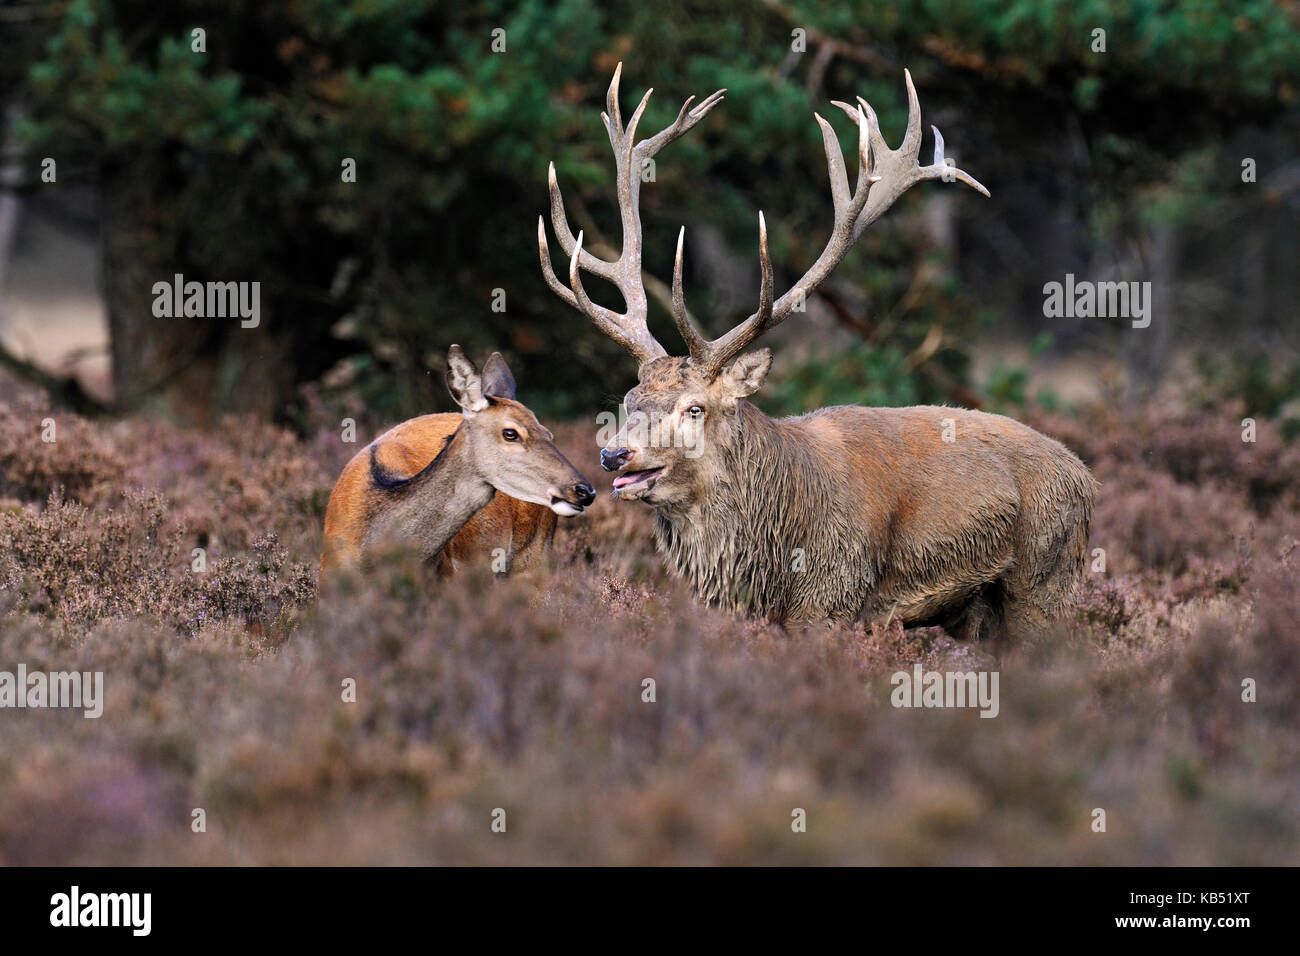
x: 969, y: 612
x: 982, y: 617
x: 1044, y: 584
x: 1029, y: 609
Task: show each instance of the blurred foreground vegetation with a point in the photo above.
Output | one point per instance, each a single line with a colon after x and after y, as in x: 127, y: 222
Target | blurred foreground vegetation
x: 223, y: 688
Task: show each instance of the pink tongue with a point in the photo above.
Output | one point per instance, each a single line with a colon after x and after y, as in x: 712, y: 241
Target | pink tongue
x: 630, y: 478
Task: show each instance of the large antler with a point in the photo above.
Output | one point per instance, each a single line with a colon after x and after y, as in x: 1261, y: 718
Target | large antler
x: 884, y: 174
x: 628, y: 329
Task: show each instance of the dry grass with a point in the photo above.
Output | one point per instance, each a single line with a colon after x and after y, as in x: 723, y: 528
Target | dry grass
x: 223, y: 688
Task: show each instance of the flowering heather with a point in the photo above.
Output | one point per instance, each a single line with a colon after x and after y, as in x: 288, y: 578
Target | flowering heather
x: 223, y: 686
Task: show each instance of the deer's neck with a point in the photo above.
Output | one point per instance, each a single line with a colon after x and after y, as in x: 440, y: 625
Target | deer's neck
x: 426, y: 510
x: 737, y: 546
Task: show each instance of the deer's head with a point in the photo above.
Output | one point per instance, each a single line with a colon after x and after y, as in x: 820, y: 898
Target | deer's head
x: 678, y: 418
x: 508, y: 447
x: 683, y: 413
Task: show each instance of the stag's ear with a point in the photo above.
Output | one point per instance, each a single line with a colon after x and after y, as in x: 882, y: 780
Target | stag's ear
x: 464, y: 383
x: 497, y: 380
x: 745, y: 375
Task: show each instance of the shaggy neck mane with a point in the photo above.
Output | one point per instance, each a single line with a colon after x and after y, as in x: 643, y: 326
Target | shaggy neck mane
x: 736, y: 545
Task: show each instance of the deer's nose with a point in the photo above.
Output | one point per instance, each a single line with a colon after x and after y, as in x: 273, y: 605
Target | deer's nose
x: 614, y: 460
x: 583, y: 493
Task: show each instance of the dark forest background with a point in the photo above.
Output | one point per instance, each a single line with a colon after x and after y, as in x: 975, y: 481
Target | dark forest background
x: 1124, y: 165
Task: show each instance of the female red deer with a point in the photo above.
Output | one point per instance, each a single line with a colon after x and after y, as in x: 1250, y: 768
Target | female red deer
x: 457, y: 487
x: 927, y: 514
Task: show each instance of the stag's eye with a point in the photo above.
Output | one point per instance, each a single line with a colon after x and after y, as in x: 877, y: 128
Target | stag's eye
x: 509, y: 434
x: 695, y: 411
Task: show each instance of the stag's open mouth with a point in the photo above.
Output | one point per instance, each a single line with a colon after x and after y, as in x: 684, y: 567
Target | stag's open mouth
x: 566, y: 509
x: 635, y: 481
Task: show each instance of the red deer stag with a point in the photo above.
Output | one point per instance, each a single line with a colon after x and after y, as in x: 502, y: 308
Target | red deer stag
x: 457, y: 487
x: 927, y: 514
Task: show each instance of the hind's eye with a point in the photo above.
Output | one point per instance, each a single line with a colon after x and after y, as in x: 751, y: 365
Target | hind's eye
x: 509, y: 434
x: 695, y: 411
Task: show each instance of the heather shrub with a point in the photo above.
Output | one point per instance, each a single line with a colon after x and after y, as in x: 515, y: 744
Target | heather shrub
x: 225, y: 690
x: 1146, y: 520
x: 1191, y: 443
x: 229, y: 492
x: 79, y: 567
x: 82, y: 461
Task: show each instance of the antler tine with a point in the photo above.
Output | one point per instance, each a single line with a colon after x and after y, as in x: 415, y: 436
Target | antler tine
x: 912, y: 136
x: 710, y: 354
x: 637, y: 341
x: 884, y: 174
x: 848, y: 206
x: 611, y: 100
x: 765, y: 288
x: 940, y: 163
x: 629, y: 138
x: 840, y: 195
x: 686, y: 119
x: 875, y: 139
x: 695, y: 342
x: 599, y: 314
x: 548, y: 272
x: 900, y: 168
x: 629, y: 328
x: 560, y: 222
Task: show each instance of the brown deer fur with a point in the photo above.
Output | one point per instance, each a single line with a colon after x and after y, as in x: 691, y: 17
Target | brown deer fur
x: 867, y: 513
x: 484, y: 484
x: 928, y: 515
x: 523, y: 529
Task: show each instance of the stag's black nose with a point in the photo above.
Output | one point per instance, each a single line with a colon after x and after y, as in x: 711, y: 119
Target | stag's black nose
x: 583, y: 493
x: 614, y: 460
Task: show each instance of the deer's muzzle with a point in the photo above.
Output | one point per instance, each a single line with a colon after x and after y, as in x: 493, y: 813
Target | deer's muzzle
x: 614, y: 460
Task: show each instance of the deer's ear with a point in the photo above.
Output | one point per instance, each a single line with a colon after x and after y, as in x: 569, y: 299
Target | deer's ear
x: 464, y: 383
x: 745, y: 375
x: 497, y: 380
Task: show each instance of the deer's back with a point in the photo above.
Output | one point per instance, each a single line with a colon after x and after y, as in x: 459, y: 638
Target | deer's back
x: 935, y: 499
x: 934, y: 450
x: 522, y: 529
